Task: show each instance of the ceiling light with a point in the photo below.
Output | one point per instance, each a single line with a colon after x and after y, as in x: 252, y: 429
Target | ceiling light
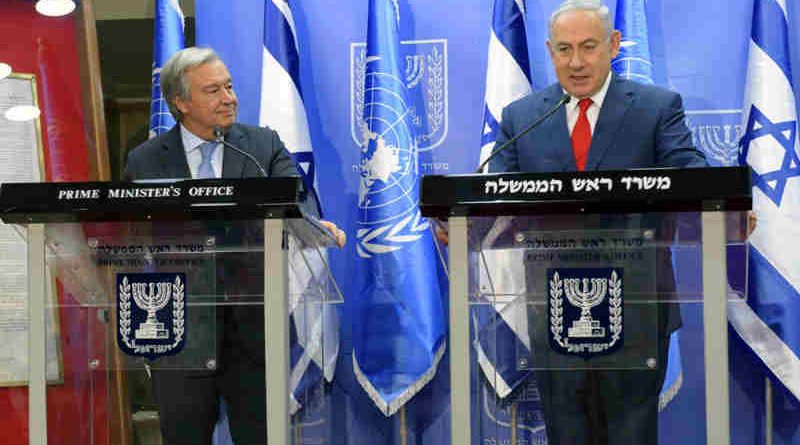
x: 55, y: 8
x: 22, y: 113
x: 5, y: 70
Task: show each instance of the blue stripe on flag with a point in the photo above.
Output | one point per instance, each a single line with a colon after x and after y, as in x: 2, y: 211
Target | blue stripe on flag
x: 775, y: 300
x: 508, y: 24
x: 770, y: 31
x: 311, y: 374
x: 279, y: 41
x: 502, y: 349
x: 492, y: 124
x: 771, y: 147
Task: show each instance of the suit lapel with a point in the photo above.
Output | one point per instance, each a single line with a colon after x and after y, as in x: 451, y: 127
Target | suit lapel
x: 556, y: 127
x: 173, y: 163
x: 619, y: 99
x: 233, y: 163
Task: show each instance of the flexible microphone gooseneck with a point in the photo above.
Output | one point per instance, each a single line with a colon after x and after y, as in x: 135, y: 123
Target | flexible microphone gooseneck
x: 219, y: 137
x: 564, y: 100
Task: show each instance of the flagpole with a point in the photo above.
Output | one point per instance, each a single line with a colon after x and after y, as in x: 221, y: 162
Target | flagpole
x: 767, y: 411
x: 403, y: 431
x: 513, y: 423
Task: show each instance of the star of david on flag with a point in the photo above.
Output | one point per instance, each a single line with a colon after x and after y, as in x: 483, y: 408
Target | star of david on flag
x: 779, y: 134
x: 767, y: 320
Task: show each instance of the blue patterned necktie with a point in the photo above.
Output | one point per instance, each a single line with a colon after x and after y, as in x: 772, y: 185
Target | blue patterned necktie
x: 205, y: 170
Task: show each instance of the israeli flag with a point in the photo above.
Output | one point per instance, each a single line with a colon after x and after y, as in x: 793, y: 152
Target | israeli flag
x: 313, y: 325
x: 399, y: 335
x: 634, y: 62
x: 507, y: 69
x: 168, y: 39
x: 282, y: 107
x: 769, y: 320
x: 500, y: 334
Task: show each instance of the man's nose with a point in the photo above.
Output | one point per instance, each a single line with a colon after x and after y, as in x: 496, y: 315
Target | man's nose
x: 575, y: 60
x: 228, y: 96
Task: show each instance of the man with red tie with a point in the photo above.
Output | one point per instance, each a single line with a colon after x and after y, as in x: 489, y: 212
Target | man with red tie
x: 609, y: 123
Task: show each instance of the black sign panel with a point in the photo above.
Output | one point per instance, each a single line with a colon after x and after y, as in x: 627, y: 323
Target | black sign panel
x: 625, y: 191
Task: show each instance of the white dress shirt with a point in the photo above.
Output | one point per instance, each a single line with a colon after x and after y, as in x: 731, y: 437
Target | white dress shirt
x: 191, y: 145
x: 593, y: 112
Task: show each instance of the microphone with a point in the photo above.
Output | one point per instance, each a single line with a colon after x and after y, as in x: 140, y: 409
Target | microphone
x: 219, y: 137
x: 564, y: 100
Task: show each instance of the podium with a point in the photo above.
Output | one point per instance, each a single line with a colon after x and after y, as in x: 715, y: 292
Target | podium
x: 591, y: 274
x: 131, y: 283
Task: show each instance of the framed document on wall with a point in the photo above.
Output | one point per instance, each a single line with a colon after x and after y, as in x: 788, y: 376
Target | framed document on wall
x: 22, y: 158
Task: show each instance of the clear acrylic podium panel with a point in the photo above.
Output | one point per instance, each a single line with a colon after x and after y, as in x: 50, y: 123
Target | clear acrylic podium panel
x: 563, y: 297
x: 192, y: 289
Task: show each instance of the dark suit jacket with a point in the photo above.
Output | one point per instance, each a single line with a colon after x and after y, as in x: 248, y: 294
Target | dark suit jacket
x: 239, y: 276
x: 164, y: 157
x: 639, y: 126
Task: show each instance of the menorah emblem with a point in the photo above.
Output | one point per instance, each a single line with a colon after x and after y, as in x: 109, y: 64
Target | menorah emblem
x: 151, y: 297
x: 585, y: 289
x: 720, y: 142
x: 586, y: 297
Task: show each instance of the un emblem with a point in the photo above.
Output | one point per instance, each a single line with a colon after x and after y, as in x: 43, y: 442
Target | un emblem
x: 151, y: 314
x: 390, y: 217
x: 426, y: 80
x: 585, y: 310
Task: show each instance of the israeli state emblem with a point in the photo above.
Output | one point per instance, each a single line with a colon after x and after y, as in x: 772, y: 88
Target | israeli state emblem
x: 151, y: 314
x: 585, y: 310
x: 425, y: 77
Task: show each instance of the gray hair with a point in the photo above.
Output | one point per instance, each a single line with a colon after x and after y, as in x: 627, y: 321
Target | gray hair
x: 173, y: 75
x: 595, y: 6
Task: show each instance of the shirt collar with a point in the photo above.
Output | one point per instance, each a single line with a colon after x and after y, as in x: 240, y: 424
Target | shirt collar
x: 190, y: 140
x: 598, y: 97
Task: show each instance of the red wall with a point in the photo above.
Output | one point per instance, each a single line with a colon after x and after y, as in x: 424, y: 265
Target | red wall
x: 46, y: 47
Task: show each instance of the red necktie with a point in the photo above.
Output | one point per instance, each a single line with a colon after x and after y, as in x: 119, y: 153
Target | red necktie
x: 582, y: 135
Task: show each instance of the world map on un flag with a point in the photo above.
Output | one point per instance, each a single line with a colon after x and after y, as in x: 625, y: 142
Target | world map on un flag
x: 379, y: 165
x: 389, y: 217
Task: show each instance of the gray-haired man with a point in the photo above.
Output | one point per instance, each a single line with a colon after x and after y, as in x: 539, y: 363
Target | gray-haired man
x: 199, y: 90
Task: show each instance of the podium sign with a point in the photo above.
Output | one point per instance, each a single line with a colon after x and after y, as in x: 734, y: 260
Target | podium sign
x: 573, y: 283
x: 173, y: 282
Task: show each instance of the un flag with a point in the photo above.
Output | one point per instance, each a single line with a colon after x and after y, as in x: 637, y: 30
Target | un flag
x: 399, y: 333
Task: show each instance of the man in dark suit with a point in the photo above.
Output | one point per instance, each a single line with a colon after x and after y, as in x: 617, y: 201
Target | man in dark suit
x: 609, y: 124
x: 199, y: 91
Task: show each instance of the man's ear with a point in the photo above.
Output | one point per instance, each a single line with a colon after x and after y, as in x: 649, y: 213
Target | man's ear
x: 614, y: 41
x: 180, y: 104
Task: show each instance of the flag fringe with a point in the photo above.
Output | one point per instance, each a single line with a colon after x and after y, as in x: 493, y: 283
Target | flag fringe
x: 496, y: 381
x: 778, y: 357
x: 669, y: 394
x: 389, y: 409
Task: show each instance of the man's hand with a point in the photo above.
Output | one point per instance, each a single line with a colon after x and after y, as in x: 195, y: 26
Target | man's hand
x: 751, y: 222
x: 442, y: 233
x: 341, y: 237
